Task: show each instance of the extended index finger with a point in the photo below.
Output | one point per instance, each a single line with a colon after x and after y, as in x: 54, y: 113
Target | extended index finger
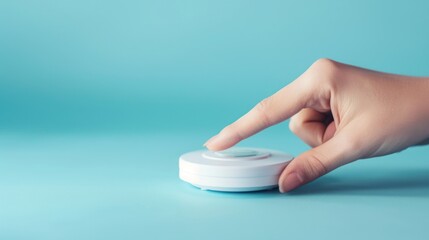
x: 270, y: 111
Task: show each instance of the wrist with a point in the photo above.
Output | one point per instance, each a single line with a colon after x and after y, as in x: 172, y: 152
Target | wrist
x: 420, y: 99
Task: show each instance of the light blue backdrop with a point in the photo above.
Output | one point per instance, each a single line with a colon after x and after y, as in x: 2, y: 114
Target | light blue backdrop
x: 99, y: 98
x: 138, y: 65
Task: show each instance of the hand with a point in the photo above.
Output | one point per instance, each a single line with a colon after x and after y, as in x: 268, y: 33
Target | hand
x: 344, y: 112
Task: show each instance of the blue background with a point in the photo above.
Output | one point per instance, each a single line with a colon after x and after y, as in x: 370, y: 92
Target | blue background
x: 99, y: 98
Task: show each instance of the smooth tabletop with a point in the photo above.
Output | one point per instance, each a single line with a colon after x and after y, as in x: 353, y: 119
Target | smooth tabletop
x: 126, y: 186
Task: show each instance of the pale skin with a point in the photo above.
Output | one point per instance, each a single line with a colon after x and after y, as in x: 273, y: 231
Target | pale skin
x: 344, y: 113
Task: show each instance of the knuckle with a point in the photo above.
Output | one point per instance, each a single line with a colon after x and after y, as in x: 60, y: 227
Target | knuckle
x: 264, y: 105
x: 353, y: 144
x: 314, y: 165
x: 263, y: 109
x: 308, y: 166
x: 324, y: 62
x: 325, y: 70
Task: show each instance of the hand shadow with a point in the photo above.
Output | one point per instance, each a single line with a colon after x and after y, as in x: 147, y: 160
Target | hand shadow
x: 374, y: 182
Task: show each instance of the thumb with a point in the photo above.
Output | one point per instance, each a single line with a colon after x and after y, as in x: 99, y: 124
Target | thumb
x: 318, y: 161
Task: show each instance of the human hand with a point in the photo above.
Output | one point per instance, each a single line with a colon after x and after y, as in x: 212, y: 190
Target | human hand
x: 344, y: 112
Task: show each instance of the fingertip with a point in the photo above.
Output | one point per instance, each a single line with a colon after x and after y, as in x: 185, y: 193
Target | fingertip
x: 208, y: 142
x: 291, y: 181
x: 282, y: 177
x: 221, y: 141
x: 281, y: 188
x: 215, y: 143
x: 212, y: 147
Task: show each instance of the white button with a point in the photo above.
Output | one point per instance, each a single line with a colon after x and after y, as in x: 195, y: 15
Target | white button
x: 237, y: 152
x: 233, y: 170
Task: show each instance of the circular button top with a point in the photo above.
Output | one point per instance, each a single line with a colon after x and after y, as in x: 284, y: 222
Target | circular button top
x: 236, y: 154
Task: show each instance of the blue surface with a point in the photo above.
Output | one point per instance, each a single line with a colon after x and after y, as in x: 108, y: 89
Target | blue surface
x: 99, y: 98
x: 127, y: 187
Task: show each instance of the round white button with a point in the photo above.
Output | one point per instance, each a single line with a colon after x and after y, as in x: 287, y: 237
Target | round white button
x: 234, y: 170
x: 237, y: 152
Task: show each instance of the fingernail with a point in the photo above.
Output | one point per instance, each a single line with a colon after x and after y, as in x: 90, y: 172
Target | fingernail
x: 209, y: 141
x: 291, y: 181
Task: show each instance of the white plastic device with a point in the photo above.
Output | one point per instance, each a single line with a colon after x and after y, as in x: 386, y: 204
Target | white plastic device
x: 233, y: 170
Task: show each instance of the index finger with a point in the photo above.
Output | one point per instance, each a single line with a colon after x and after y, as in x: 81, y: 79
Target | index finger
x: 270, y: 111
